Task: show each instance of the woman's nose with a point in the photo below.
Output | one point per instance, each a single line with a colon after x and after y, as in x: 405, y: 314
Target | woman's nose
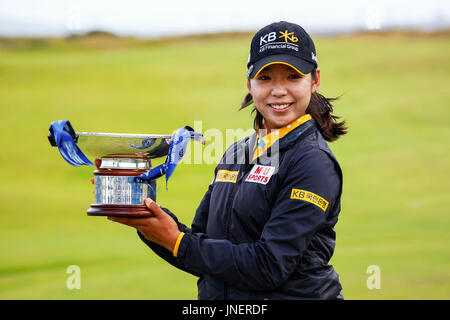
x: 279, y: 90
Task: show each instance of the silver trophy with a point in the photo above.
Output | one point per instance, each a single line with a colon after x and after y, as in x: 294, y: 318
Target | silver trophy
x: 120, y: 159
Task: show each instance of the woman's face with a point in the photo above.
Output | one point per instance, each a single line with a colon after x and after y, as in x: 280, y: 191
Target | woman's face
x: 281, y: 94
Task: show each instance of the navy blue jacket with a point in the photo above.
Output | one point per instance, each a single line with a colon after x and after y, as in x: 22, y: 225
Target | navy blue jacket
x: 266, y: 232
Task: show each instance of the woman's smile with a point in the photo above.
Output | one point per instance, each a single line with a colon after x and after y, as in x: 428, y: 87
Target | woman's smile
x: 280, y: 107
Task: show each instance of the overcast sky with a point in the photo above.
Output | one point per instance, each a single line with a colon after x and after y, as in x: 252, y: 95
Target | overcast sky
x: 172, y: 17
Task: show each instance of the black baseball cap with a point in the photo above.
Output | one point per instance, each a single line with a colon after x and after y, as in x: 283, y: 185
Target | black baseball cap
x: 281, y: 42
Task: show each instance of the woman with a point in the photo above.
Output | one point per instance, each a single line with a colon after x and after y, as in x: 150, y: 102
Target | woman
x: 264, y: 229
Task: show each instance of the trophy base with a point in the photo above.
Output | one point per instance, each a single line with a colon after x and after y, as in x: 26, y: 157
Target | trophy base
x: 119, y: 210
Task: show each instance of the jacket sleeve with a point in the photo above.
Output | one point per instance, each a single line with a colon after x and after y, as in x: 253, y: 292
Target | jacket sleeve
x: 266, y: 263
x: 199, y: 225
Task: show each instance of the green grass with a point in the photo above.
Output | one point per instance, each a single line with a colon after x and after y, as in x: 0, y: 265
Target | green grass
x: 395, y: 159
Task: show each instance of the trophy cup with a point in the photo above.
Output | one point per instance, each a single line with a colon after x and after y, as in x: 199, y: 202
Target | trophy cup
x: 124, y: 175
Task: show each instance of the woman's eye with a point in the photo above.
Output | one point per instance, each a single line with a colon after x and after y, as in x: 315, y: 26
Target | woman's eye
x: 295, y: 76
x: 263, y: 77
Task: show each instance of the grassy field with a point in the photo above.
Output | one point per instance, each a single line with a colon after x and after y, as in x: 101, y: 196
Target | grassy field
x: 396, y: 159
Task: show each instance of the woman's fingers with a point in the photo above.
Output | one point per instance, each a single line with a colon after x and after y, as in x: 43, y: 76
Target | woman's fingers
x: 161, y: 228
x: 132, y: 222
x: 121, y: 220
x: 154, y: 207
x: 140, y: 222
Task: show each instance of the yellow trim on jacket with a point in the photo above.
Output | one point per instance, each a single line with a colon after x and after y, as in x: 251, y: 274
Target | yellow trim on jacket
x: 177, y: 244
x: 264, y: 143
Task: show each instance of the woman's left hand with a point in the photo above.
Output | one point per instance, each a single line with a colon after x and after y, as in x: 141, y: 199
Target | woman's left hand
x: 161, y: 228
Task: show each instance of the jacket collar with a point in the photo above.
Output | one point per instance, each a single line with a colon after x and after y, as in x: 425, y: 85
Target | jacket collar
x: 284, y: 136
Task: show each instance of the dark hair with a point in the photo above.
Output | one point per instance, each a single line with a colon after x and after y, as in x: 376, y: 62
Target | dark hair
x: 320, y: 108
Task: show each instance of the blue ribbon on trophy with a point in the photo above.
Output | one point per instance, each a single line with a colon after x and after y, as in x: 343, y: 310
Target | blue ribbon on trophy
x: 177, y: 149
x: 62, y: 135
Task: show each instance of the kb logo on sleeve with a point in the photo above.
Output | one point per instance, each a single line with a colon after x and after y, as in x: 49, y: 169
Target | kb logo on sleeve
x: 309, y: 197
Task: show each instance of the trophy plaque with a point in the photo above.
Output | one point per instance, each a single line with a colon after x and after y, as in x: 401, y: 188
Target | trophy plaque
x: 119, y: 160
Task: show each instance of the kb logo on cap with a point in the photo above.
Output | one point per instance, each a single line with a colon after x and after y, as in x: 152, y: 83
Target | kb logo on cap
x: 289, y: 36
x: 269, y: 37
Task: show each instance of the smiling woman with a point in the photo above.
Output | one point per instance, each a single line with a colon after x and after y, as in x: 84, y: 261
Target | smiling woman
x: 294, y: 95
x: 281, y: 94
x: 265, y: 227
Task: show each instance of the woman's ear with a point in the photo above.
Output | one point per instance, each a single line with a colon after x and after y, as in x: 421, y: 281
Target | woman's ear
x: 249, y: 86
x: 316, y: 81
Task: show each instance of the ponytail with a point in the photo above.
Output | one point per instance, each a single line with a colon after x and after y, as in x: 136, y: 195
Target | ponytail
x: 320, y: 108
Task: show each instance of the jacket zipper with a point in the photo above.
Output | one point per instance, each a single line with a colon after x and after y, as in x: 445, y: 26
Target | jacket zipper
x: 228, y: 229
x: 229, y: 210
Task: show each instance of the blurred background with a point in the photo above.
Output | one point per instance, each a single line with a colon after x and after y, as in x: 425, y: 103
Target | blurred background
x: 152, y: 67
